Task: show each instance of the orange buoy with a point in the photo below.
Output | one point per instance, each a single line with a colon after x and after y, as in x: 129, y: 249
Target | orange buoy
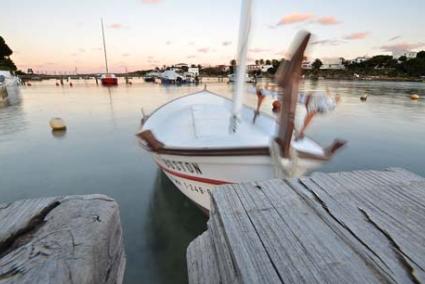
x: 414, y: 97
x: 276, y: 106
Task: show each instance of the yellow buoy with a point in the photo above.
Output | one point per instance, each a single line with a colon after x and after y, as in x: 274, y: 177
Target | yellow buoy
x: 414, y: 97
x: 57, y: 123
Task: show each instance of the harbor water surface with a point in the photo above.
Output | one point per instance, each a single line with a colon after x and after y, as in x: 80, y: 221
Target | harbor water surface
x: 99, y: 153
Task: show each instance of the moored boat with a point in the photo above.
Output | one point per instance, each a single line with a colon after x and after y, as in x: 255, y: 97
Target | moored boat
x: 203, y: 140
x: 109, y: 79
x: 171, y: 77
x: 232, y: 78
x: 9, y: 88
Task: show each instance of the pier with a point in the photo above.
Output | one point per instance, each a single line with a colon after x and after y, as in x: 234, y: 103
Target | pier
x: 346, y: 227
x: 73, y: 239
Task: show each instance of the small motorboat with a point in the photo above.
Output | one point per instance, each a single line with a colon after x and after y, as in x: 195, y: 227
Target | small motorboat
x: 232, y: 78
x: 109, y: 80
x: 150, y: 77
x: 172, y: 77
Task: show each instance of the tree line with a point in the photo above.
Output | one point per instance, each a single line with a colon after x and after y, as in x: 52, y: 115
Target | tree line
x: 6, y: 62
x: 381, y: 65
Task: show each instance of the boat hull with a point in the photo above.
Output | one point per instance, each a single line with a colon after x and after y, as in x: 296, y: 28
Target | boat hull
x: 196, y: 177
x: 109, y: 81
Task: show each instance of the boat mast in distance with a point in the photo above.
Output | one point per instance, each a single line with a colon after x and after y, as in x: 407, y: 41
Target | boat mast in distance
x: 104, y: 46
x: 244, y: 30
x: 288, y: 77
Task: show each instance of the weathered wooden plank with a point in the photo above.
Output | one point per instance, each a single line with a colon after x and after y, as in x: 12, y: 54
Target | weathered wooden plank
x: 326, y: 247
x: 201, y: 261
x: 250, y: 259
x: 372, y: 194
x: 76, y: 239
x: 374, y: 247
x: 350, y: 227
x: 225, y: 264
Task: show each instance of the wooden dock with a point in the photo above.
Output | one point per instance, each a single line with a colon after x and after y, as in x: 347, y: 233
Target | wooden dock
x: 348, y: 227
x: 73, y: 239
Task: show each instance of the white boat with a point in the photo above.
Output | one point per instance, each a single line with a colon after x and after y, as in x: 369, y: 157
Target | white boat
x: 171, y: 77
x: 9, y: 88
x: 203, y: 140
x: 232, y: 78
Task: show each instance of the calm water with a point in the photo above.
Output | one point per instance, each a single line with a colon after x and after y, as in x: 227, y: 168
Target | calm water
x: 99, y: 154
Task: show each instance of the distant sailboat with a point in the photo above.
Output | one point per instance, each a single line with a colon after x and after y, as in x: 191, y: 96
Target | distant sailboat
x: 203, y: 140
x: 107, y: 79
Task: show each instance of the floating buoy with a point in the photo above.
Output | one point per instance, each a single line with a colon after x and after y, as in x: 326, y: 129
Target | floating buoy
x: 29, y: 84
x: 70, y: 84
x: 414, y: 97
x: 57, y: 123
x: 57, y: 84
x: 363, y: 98
x: 276, y: 106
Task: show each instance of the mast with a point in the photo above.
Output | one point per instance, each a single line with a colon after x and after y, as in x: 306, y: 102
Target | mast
x: 244, y: 29
x: 104, y: 46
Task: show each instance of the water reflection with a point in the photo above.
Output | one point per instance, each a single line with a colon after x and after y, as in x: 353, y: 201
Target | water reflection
x: 12, y: 120
x: 174, y: 223
x: 60, y: 134
x: 100, y: 154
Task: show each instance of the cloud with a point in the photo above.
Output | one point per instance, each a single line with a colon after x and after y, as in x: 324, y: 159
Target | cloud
x: 116, y: 26
x: 191, y: 56
x: 203, y: 49
x: 295, y: 18
x: 226, y: 43
x: 258, y: 50
x: 126, y: 54
x: 82, y: 50
x: 330, y: 42
x: 191, y: 43
x: 97, y: 48
x: 151, y: 1
x: 168, y: 42
x: 357, y: 36
x: 402, y: 47
x: 394, y: 38
x: 327, y: 21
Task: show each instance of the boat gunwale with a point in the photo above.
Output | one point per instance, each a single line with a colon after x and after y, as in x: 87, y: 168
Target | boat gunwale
x: 162, y: 149
x: 223, y: 151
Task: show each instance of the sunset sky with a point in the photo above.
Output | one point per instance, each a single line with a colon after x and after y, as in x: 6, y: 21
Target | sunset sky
x: 53, y: 35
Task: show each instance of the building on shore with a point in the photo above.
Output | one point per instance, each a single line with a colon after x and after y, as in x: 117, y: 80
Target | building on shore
x: 333, y: 64
x: 306, y: 65
x: 360, y: 59
x: 259, y: 67
x: 408, y: 54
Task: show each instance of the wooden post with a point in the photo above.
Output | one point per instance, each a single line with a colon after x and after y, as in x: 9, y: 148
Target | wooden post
x: 287, y: 77
x: 73, y: 239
